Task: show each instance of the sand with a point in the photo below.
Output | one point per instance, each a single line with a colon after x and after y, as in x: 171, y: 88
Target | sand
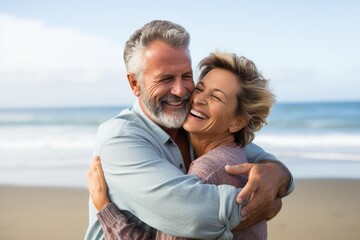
x: 42, y: 213
x: 318, y: 209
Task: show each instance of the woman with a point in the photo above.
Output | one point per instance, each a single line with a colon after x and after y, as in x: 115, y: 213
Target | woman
x: 230, y: 102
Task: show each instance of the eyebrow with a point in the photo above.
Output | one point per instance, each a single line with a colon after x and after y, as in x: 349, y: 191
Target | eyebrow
x: 169, y: 75
x: 163, y: 75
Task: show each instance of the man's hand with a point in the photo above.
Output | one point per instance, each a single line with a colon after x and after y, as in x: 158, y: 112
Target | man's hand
x: 267, y: 182
x: 258, y: 215
x: 97, y: 185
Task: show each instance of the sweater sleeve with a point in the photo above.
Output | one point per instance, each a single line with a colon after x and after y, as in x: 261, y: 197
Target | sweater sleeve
x: 116, y: 226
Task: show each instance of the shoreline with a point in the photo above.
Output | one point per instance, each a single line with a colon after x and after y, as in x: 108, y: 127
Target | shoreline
x: 317, y: 209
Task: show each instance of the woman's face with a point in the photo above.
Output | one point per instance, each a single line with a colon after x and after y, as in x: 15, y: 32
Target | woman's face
x: 213, y: 104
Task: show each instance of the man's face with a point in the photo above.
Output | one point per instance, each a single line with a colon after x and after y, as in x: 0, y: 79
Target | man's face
x: 167, y: 84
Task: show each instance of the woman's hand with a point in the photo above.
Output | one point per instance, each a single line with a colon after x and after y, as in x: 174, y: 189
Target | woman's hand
x: 97, y: 185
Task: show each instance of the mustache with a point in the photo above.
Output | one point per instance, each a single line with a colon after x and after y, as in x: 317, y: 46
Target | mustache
x: 174, y: 98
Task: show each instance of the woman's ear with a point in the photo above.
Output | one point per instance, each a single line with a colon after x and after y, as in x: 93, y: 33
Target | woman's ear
x: 134, y: 84
x: 238, y: 124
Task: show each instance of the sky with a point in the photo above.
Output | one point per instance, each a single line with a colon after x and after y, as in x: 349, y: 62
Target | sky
x: 69, y: 53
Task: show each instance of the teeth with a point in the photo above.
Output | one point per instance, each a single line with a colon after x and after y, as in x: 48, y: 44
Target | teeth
x: 197, y: 114
x: 174, y: 103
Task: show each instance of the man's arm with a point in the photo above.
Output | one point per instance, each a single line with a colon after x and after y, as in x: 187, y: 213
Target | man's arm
x: 113, y: 222
x: 269, y: 180
x: 143, y: 182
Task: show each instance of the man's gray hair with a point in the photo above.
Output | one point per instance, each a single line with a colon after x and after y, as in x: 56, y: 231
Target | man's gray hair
x: 165, y: 31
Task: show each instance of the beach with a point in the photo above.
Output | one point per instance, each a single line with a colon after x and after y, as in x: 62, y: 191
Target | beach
x: 317, y: 209
x: 42, y: 213
x: 46, y: 153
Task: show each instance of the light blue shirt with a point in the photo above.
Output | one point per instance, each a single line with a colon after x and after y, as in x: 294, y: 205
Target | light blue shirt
x: 145, y: 172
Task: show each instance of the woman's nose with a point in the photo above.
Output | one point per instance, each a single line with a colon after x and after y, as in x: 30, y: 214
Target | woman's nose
x: 199, y: 98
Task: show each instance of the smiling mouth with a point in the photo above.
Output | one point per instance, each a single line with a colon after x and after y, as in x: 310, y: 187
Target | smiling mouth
x: 172, y: 103
x: 198, y: 114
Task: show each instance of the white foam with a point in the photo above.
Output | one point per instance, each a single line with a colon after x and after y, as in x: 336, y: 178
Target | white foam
x: 50, y: 137
x: 334, y: 156
x: 307, y: 140
x: 47, y: 143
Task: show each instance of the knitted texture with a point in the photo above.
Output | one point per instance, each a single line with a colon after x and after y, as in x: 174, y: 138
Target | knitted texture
x: 210, y: 168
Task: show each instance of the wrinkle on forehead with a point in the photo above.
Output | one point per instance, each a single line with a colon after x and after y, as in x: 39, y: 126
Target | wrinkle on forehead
x: 161, y: 55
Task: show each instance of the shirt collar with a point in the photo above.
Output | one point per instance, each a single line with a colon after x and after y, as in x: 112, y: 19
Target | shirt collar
x: 158, y: 131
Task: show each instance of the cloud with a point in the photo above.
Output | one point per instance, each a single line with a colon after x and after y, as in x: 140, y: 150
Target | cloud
x: 40, y: 58
x: 31, y: 46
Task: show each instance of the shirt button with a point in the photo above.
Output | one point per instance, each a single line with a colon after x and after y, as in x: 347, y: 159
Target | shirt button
x: 181, y: 166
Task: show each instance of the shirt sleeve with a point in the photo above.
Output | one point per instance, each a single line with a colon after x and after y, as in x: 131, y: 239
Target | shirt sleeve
x: 255, y: 154
x: 142, y: 182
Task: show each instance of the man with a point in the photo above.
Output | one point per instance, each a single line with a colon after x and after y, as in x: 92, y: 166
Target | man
x: 145, y: 153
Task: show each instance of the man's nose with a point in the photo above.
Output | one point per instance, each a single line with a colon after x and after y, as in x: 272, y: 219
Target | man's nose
x: 178, y: 88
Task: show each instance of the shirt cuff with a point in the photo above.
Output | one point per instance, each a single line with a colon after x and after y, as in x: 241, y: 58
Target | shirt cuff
x: 229, y: 210
x: 290, y: 187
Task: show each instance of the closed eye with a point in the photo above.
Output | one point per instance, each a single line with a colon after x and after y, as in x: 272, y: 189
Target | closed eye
x: 216, y: 98
x: 197, y: 89
x: 188, y: 77
x: 167, y: 79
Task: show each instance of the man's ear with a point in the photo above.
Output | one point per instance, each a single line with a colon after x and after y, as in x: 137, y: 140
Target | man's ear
x: 238, y: 124
x: 134, y: 84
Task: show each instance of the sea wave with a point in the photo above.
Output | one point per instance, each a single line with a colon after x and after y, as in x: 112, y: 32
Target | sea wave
x: 330, y: 146
x: 333, y: 156
x: 90, y: 116
x: 47, y: 144
x: 310, y: 140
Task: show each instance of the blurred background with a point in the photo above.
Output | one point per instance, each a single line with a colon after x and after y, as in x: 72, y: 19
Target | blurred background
x: 62, y: 74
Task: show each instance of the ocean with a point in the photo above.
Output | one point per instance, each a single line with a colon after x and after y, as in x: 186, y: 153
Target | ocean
x: 53, y: 146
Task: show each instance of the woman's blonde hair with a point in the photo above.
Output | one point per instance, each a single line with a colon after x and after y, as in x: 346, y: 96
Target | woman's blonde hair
x: 254, y: 98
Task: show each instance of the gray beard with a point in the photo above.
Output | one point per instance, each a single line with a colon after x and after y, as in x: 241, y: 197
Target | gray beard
x: 160, y: 117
